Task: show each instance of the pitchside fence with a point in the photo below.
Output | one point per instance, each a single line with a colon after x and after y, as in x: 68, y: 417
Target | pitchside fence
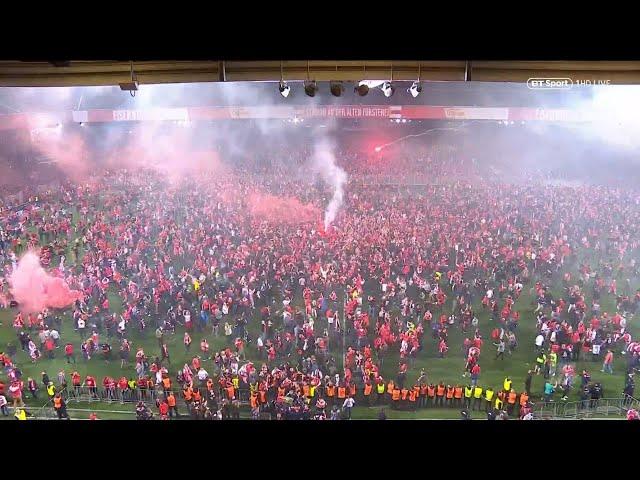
x: 100, y: 394
x: 585, y: 409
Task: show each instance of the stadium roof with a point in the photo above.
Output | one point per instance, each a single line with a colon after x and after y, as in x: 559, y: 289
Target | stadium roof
x: 88, y: 73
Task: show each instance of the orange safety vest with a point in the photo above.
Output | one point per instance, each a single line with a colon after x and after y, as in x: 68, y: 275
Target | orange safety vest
x: 166, y: 383
x: 331, y: 391
x: 230, y: 392
x: 367, y: 389
x: 352, y: 389
x: 171, y: 400
x: 305, y: 390
x: 196, y: 396
x: 416, y: 389
x: 431, y: 391
x: 404, y: 393
x: 263, y: 396
x: 458, y: 392
x: 423, y: 390
x: 188, y: 393
x: 395, y: 395
x: 524, y: 398
x: 390, y: 387
x: 281, y: 391
x: 412, y: 395
x: 57, y: 403
x: 449, y: 393
x: 440, y: 391
x: 254, y: 400
x: 512, y: 397
x: 342, y: 392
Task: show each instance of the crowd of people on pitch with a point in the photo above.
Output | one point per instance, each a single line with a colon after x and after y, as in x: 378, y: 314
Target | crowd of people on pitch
x: 388, y: 281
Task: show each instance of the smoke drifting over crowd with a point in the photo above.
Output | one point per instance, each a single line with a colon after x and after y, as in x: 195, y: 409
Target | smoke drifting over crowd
x: 346, y: 255
x: 607, y: 132
x: 34, y: 289
x: 324, y: 163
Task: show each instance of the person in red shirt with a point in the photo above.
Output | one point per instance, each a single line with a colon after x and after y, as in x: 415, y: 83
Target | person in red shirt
x: 475, y: 374
x: 93, y: 416
x: 90, y: 382
x: 442, y: 347
x: 164, y: 410
x: 49, y: 347
x: 68, y: 353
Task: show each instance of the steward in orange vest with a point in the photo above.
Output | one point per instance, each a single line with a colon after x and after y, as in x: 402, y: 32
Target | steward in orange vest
x: 422, y: 399
x: 368, y: 388
x: 416, y: 390
x: 331, y: 394
x: 457, y: 395
x: 449, y: 395
x: 395, y: 397
x: 390, y: 387
x: 440, y: 390
x: 404, y: 393
x: 352, y: 390
x: 511, y: 401
x: 171, y: 401
x: 413, y: 397
x: 342, y: 393
x: 431, y: 395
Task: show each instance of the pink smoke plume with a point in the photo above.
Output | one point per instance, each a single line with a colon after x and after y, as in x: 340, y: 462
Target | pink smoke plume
x: 34, y: 289
x: 290, y: 210
x: 172, y: 152
x: 67, y: 150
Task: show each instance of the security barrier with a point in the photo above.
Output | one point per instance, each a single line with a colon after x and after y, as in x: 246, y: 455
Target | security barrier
x: 603, y: 407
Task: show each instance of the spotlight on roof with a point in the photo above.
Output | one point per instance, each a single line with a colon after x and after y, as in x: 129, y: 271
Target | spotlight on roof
x: 336, y: 88
x: 310, y: 88
x: 415, y: 89
x: 284, y: 89
x: 387, y: 89
x: 362, y: 89
x: 377, y: 149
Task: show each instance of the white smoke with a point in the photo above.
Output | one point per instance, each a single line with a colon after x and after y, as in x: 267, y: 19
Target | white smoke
x: 324, y: 163
x: 612, y: 116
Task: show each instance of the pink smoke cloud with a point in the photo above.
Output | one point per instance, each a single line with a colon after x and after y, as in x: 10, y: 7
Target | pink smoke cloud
x: 68, y: 150
x: 34, y: 289
x: 286, y: 210
x: 173, y: 153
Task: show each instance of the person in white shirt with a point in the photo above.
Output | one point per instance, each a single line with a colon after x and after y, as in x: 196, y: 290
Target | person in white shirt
x: 347, y: 406
x: 539, y: 341
x: 3, y: 406
x: 202, y: 374
x: 55, y: 335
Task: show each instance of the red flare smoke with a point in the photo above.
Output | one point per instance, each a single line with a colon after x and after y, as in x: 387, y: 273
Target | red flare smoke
x: 289, y: 210
x: 34, y: 289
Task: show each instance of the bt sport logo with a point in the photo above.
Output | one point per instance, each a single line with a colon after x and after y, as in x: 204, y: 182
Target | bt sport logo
x: 544, y: 83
